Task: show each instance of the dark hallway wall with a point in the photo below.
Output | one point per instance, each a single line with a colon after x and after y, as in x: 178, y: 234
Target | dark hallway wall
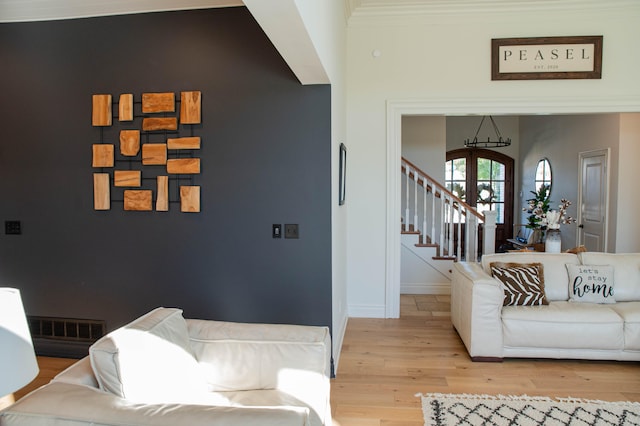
x: 265, y: 159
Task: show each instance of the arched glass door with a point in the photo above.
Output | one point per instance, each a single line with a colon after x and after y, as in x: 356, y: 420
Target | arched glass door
x: 483, y: 179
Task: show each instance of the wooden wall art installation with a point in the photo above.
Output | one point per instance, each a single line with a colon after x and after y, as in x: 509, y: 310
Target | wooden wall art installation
x: 156, y: 154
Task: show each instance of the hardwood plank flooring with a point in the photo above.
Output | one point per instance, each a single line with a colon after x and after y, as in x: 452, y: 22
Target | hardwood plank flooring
x: 385, y: 362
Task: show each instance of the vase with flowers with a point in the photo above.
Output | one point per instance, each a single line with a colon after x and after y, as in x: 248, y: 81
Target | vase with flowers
x: 544, y: 218
x: 538, y: 206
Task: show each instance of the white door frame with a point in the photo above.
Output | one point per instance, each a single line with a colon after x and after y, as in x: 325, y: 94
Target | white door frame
x: 462, y: 106
x: 607, y: 156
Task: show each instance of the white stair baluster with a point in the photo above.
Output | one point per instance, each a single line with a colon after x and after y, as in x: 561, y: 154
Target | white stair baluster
x: 442, y: 221
x: 451, y: 224
x: 433, y: 214
x: 459, y: 251
x: 406, y: 212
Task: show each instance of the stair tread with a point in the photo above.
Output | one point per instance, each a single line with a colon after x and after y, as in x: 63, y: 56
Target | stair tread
x: 411, y: 232
x: 444, y: 258
x: 427, y: 245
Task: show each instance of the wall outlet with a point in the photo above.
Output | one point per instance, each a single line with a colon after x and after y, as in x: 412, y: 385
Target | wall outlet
x: 12, y: 227
x: 291, y: 230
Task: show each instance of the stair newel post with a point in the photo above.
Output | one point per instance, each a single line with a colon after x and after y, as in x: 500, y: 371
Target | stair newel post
x: 471, y: 240
x: 451, y: 227
x: 489, y: 233
x: 406, y: 211
x: 459, y: 249
x: 415, y: 201
x: 433, y: 214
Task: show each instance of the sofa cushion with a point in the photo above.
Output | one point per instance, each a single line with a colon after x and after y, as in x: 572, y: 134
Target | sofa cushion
x: 556, y: 280
x: 522, y: 283
x: 148, y: 360
x: 591, y: 283
x: 626, y: 272
x: 630, y: 313
x: 563, y: 325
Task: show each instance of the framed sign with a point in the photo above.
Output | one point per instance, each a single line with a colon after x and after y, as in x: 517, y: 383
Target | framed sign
x: 546, y: 58
x: 342, y: 189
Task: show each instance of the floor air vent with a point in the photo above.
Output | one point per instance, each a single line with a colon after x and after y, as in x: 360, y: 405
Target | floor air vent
x: 66, y: 329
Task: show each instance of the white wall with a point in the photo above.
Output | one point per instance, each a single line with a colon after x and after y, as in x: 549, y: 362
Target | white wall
x: 444, y: 59
x: 326, y: 23
x: 628, y: 225
x: 424, y: 142
x: 560, y: 139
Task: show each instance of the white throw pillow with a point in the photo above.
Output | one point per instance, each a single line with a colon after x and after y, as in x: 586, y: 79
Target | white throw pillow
x: 591, y: 283
x: 149, y: 360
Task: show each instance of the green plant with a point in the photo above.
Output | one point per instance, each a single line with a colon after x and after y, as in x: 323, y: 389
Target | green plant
x: 538, y: 208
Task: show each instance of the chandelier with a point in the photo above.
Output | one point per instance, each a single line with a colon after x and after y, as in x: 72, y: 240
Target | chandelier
x: 500, y: 142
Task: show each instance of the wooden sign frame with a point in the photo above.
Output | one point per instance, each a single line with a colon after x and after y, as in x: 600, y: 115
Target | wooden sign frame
x: 546, y: 58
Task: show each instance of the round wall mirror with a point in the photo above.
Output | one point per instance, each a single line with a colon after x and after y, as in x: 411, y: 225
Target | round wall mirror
x: 543, y: 174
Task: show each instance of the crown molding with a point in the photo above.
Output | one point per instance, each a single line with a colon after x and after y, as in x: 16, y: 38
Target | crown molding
x: 388, y: 9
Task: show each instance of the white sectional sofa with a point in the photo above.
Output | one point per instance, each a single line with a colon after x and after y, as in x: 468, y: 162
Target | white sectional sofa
x: 607, y: 328
x: 164, y: 370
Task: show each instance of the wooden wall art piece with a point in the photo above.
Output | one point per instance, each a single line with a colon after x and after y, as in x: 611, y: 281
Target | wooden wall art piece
x: 162, y: 198
x: 101, y: 114
x: 190, y: 199
x: 183, y: 166
x: 101, y: 195
x: 129, y: 142
x: 156, y: 155
x: 158, y: 102
x: 184, y: 143
x: 137, y: 200
x: 130, y: 178
x: 102, y: 155
x: 125, y: 107
x: 151, y: 124
x: 190, y: 110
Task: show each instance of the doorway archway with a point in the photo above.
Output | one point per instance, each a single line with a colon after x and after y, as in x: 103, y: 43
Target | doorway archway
x: 458, y: 106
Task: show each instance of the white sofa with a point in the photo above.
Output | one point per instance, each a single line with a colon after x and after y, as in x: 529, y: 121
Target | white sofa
x: 561, y: 329
x: 164, y: 370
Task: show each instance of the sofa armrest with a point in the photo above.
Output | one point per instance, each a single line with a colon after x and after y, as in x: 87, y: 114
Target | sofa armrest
x: 66, y: 404
x: 476, y: 306
x: 294, y: 359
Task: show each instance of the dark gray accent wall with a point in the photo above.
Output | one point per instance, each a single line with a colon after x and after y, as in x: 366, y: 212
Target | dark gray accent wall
x: 265, y: 159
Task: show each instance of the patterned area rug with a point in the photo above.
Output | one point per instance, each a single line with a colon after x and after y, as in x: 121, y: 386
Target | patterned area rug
x: 468, y: 410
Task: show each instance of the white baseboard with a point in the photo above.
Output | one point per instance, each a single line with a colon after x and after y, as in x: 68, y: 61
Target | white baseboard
x: 425, y: 288
x: 338, y: 339
x: 367, y: 311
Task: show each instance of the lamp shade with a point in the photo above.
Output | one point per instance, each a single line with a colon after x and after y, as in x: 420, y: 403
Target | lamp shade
x: 18, y: 364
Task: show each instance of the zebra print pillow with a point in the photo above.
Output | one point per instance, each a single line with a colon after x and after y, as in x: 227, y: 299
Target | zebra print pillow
x: 523, y: 283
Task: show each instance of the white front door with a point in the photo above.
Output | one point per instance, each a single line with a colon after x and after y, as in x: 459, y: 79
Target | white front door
x: 593, y: 200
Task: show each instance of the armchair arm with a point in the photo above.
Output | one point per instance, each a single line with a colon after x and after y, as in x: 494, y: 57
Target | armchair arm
x: 476, y: 307
x: 67, y: 404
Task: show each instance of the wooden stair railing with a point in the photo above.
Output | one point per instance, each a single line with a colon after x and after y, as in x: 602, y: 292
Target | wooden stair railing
x: 446, y: 219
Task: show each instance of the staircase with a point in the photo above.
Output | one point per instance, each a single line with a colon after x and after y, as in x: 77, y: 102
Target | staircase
x: 437, y: 229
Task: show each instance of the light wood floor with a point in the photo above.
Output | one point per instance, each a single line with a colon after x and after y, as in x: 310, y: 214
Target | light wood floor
x: 385, y: 362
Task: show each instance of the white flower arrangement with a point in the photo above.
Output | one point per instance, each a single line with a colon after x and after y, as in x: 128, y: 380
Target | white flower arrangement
x: 554, y: 218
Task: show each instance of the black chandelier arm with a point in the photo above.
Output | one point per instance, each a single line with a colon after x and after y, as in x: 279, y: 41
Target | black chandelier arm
x: 489, y: 143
